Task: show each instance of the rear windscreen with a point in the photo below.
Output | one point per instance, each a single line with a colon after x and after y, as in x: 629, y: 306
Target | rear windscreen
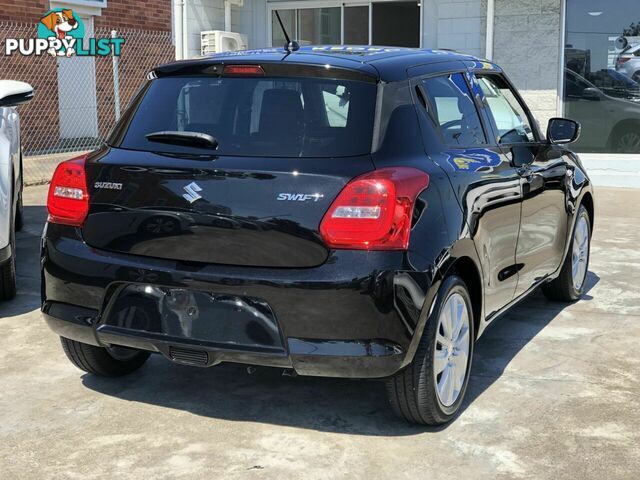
x: 270, y: 117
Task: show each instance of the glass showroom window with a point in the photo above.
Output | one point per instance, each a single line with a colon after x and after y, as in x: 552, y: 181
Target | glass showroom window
x: 308, y: 26
x: 391, y: 23
x: 602, y: 74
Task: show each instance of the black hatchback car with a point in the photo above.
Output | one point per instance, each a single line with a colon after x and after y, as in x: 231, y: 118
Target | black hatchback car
x: 356, y: 212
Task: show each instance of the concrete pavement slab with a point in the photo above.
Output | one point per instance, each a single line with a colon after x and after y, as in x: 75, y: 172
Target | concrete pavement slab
x: 554, y: 394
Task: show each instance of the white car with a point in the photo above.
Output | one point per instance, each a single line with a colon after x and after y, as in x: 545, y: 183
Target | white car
x: 628, y: 62
x: 12, y: 93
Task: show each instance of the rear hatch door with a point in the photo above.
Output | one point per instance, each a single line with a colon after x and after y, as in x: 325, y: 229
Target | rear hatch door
x: 286, y: 146
x: 227, y: 211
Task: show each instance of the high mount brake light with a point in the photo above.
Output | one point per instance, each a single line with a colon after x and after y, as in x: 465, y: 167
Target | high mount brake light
x: 243, y: 70
x: 374, y: 211
x: 68, y: 199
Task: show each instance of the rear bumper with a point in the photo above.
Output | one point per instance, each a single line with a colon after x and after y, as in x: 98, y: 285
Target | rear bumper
x: 355, y: 359
x: 355, y: 316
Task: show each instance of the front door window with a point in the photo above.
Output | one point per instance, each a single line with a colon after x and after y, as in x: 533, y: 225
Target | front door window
x: 509, y: 117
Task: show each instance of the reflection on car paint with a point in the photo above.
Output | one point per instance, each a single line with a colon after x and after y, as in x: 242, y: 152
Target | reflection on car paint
x: 473, y: 159
x: 179, y: 313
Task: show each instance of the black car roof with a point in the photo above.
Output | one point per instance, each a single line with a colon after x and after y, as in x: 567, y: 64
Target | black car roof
x: 385, y: 63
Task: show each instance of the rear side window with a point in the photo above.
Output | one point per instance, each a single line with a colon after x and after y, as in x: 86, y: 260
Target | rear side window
x: 290, y: 117
x: 454, y: 110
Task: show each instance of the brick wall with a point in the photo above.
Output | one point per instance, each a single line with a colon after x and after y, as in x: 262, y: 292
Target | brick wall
x: 146, y: 25
x: 144, y: 50
x: 42, y: 113
x: 136, y: 14
x: 130, y: 14
x: 28, y: 11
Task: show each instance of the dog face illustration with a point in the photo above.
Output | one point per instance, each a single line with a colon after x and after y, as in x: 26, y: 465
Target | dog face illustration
x: 60, y: 22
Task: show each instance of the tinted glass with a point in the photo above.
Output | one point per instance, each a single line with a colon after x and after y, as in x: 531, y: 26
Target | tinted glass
x: 356, y: 25
x: 508, y: 115
x: 319, y: 26
x: 602, y: 74
x: 288, y: 20
x: 396, y: 23
x: 454, y: 110
x: 291, y: 117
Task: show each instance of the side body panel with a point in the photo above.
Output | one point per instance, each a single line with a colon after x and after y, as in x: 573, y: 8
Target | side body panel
x: 578, y: 190
x: 9, y: 162
x: 553, y: 184
x: 542, y: 171
x: 437, y: 218
x: 488, y: 192
x: 490, y: 199
x: 543, y: 229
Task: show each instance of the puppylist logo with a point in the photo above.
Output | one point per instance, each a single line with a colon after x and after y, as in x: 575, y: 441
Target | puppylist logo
x: 61, y: 34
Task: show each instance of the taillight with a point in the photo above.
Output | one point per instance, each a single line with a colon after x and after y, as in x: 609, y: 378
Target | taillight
x: 622, y: 60
x: 68, y: 200
x: 374, y: 211
x: 243, y: 70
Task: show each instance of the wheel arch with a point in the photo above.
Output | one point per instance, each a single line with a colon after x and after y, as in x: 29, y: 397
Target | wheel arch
x: 462, y: 261
x: 587, y: 201
x: 465, y: 268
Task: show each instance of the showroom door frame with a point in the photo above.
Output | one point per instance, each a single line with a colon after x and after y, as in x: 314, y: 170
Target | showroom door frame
x: 563, y: 41
x: 302, y: 4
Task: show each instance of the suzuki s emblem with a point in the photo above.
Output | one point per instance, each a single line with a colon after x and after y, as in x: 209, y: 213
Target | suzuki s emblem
x: 192, y: 192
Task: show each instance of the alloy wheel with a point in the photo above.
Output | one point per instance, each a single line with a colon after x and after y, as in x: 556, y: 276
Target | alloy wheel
x: 580, y: 253
x: 451, y: 355
x: 629, y: 142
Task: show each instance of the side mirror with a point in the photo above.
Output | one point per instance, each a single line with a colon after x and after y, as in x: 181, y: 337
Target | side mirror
x: 592, y: 94
x: 563, y: 130
x: 14, y: 93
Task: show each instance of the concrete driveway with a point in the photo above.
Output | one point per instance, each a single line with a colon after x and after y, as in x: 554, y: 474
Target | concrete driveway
x: 554, y: 393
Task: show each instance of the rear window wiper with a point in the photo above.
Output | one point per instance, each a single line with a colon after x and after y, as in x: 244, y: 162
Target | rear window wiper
x: 188, y: 139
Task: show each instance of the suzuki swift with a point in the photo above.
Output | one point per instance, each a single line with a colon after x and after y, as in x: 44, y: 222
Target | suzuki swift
x: 355, y: 212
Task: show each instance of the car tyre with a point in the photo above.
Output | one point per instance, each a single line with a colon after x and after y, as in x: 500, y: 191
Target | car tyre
x: 415, y: 393
x: 570, y: 285
x: 19, y: 213
x: 626, y: 140
x: 105, y: 362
